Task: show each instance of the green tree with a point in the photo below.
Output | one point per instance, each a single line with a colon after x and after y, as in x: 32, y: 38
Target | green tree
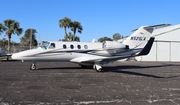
x: 69, y: 37
x: 117, y: 36
x: 15, y: 43
x: 3, y: 42
x: 104, y: 39
x: 29, y: 38
x: 13, y: 27
x: 76, y: 26
x: 2, y: 28
x: 65, y: 23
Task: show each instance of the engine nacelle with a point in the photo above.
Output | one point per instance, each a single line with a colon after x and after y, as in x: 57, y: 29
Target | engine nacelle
x: 108, y: 45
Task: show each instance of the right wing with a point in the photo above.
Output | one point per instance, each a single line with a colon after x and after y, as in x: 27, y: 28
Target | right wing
x: 130, y: 53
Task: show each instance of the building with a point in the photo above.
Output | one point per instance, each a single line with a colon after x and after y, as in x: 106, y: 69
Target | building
x: 166, y: 46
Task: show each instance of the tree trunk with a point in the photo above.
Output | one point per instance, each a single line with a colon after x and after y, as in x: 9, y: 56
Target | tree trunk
x: 9, y: 40
x: 74, y: 34
x: 65, y: 31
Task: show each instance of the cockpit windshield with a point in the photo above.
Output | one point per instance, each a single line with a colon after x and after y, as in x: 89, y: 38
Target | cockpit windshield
x: 45, y: 44
x: 51, y: 46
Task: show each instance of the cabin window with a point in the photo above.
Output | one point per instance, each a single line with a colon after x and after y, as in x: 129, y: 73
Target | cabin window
x: 78, y: 46
x: 71, y: 46
x: 64, y: 46
x: 52, y: 45
x: 85, y: 46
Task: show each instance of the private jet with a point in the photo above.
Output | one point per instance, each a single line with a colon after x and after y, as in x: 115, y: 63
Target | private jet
x: 91, y: 53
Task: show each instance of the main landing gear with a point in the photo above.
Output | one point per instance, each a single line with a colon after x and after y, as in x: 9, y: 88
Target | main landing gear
x: 97, y: 67
x: 33, y: 66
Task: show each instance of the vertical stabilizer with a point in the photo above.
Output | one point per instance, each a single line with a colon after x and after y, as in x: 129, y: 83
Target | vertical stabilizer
x: 139, y: 38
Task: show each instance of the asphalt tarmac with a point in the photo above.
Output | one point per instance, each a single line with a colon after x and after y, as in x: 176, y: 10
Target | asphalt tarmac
x: 60, y: 83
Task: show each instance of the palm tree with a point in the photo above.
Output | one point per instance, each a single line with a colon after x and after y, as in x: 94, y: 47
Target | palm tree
x: 70, y: 37
x: 2, y: 28
x: 76, y: 26
x: 12, y: 27
x: 29, y: 38
x: 64, y: 23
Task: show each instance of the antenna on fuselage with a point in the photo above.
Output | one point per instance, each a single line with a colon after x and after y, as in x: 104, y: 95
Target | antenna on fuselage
x: 94, y: 40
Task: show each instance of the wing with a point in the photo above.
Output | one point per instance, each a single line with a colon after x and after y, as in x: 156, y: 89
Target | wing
x: 102, y: 59
x: 5, y: 55
x: 92, y: 59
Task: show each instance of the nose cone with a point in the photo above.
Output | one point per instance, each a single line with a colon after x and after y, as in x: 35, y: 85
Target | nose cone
x: 14, y: 56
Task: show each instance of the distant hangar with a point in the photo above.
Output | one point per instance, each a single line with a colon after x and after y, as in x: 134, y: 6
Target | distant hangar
x: 166, y: 46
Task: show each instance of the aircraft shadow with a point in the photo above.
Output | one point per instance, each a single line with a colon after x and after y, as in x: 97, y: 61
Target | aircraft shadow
x: 105, y: 68
x: 120, y: 69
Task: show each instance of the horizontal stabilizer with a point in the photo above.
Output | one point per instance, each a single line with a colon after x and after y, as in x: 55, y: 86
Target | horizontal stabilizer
x: 147, y: 48
x: 154, y: 26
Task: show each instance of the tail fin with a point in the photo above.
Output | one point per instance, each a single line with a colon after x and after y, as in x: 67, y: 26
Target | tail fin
x: 139, y: 38
x: 147, y: 48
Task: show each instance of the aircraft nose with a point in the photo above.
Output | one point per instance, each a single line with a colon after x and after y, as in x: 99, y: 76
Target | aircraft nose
x: 15, y: 56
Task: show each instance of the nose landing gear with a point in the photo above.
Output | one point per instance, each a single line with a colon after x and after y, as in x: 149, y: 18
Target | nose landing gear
x: 33, y: 66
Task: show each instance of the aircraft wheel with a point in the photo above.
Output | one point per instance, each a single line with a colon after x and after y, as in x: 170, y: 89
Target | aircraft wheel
x: 98, y: 68
x: 33, y: 67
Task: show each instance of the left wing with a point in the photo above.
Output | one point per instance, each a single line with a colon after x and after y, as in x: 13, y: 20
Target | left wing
x: 3, y: 55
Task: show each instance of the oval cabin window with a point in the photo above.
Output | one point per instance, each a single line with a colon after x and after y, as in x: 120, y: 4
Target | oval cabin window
x: 64, y: 46
x: 85, y: 46
x: 71, y: 46
x: 78, y: 46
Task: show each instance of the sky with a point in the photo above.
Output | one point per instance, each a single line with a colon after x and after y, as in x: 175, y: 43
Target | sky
x: 99, y: 18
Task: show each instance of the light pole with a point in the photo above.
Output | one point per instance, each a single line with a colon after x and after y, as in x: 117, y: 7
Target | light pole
x: 31, y: 38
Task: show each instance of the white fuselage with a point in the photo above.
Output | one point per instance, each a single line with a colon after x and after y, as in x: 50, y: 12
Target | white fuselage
x: 66, y: 51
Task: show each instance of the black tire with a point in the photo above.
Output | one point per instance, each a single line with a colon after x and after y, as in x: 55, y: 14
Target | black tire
x: 33, y: 67
x: 100, y: 70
